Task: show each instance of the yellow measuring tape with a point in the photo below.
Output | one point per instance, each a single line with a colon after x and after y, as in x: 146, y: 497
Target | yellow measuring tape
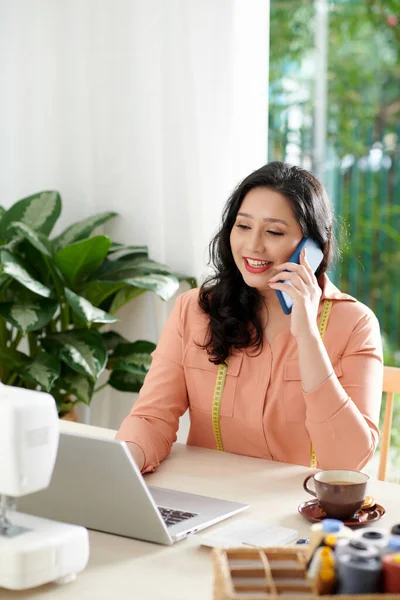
x: 322, y: 325
x: 220, y: 383
x: 216, y: 405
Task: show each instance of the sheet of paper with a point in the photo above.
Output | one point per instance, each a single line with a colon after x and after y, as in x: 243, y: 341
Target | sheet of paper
x: 246, y: 532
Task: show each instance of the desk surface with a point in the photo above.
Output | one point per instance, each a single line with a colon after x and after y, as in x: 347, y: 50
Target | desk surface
x: 123, y: 568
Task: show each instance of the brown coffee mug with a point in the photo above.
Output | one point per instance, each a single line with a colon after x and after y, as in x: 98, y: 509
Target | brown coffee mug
x: 340, y: 493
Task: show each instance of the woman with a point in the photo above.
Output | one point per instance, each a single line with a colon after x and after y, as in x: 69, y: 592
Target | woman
x: 287, y: 392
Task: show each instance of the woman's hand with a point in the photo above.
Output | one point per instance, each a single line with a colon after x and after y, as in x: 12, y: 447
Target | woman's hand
x: 305, y: 293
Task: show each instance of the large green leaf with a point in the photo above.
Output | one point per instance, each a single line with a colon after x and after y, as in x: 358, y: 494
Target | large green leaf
x: 77, y: 385
x: 124, y: 296
x: 134, y: 250
x: 13, y: 359
x: 4, y: 281
x: 112, y: 339
x: 134, y: 357
x: 137, y: 255
x: 79, y: 260
x: 2, y: 211
x: 44, y: 370
x: 146, y: 265
x: 37, y: 239
x: 81, y: 230
x: 83, y: 350
x: 15, y: 269
x: 133, y: 267
x: 30, y: 315
x: 139, y: 347
x: 34, y: 261
x: 126, y: 382
x: 190, y: 280
x: 85, y: 311
x: 20, y: 294
x: 164, y: 286
x: 98, y: 291
x: 39, y: 212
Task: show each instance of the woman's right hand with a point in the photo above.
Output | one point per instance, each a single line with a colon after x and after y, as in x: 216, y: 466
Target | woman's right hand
x: 137, y: 454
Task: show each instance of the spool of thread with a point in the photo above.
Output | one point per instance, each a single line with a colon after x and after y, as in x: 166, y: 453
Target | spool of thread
x: 330, y: 540
x: 320, y: 530
x: 327, y: 542
x: 356, y: 548
x: 323, y: 557
x: 395, y: 529
x: 391, y: 573
x: 326, y: 580
x: 358, y: 574
x: 375, y: 536
x: 393, y: 545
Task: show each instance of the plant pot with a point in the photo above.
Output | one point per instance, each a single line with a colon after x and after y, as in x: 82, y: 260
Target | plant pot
x: 70, y: 416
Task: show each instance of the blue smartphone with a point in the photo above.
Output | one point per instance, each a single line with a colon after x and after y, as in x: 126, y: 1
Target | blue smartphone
x: 314, y: 257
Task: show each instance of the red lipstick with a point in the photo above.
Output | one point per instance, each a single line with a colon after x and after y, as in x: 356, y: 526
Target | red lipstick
x: 256, y: 270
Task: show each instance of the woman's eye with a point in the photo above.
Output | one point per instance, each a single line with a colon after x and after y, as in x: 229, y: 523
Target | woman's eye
x: 241, y: 226
x: 275, y: 232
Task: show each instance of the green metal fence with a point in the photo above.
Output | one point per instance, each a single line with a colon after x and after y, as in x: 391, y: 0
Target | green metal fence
x: 365, y: 190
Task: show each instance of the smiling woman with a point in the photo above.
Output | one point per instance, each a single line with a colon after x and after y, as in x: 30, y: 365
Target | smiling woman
x: 258, y: 381
x: 260, y: 239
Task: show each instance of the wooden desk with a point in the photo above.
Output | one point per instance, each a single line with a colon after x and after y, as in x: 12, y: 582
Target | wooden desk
x: 125, y: 569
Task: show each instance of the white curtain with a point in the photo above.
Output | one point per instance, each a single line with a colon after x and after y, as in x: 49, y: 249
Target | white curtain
x: 152, y: 108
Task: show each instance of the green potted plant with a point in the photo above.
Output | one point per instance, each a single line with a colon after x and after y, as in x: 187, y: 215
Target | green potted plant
x: 57, y: 293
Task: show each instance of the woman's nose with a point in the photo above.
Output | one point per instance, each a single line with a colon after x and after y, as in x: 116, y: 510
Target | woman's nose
x: 256, y: 242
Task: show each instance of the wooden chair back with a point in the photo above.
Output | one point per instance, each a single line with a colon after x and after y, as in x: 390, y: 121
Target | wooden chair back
x: 391, y: 385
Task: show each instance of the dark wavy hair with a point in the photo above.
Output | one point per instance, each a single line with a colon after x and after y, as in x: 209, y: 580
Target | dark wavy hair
x: 233, y: 306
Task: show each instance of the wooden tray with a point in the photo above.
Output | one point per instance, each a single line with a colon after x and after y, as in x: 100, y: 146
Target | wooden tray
x: 269, y: 574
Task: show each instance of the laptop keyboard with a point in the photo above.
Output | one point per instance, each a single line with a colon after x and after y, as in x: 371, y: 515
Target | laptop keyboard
x: 172, y: 516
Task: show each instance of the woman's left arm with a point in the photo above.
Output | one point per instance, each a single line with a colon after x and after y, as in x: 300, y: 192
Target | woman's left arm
x: 341, y: 416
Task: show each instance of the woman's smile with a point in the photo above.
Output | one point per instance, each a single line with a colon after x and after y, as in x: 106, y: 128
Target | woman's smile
x: 256, y: 266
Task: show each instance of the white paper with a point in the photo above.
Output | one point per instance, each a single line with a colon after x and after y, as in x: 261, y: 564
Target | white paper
x: 246, y: 532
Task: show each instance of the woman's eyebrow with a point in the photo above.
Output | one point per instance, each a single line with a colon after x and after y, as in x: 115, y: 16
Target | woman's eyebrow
x: 267, y: 219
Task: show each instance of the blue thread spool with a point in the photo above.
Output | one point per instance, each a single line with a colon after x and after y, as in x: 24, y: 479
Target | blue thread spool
x: 327, y: 526
x: 393, y: 545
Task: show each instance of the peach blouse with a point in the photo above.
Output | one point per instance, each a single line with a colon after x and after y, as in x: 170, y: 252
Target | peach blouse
x: 264, y: 412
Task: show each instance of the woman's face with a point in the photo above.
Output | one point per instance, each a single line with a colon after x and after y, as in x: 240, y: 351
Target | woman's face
x: 264, y: 235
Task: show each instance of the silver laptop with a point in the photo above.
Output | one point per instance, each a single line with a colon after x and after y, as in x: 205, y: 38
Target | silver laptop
x: 96, y: 483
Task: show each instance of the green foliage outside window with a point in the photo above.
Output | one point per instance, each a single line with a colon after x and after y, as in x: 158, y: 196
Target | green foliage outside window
x: 363, y: 142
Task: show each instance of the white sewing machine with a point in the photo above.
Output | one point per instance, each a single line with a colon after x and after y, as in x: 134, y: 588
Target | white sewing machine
x: 33, y: 551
